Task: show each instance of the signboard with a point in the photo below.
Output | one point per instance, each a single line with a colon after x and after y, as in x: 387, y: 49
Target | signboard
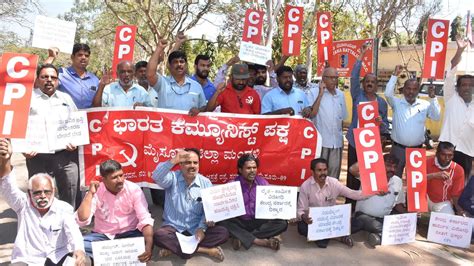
x: 324, y: 38
x: 436, y: 48
x: 254, y: 53
x: 123, y: 251
x: 417, y: 181
x: 452, y: 230
x: 367, y: 112
x: 293, y: 30
x: 253, y: 25
x: 124, y: 45
x: 67, y: 128
x: 344, y: 56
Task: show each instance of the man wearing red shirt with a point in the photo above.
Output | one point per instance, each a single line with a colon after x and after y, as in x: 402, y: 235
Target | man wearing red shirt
x: 445, y: 180
x: 236, y: 96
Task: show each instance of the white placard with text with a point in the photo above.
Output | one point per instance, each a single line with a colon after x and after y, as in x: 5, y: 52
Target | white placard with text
x: 329, y: 222
x: 53, y: 32
x: 399, y: 229
x: 67, y: 128
x: 275, y: 202
x: 450, y: 229
x: 222, y: 202
x: 36, y: 137
x: 124, y: 251
x: 255, y: 53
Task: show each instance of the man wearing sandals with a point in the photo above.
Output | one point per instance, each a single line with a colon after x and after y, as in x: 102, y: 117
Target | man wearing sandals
x: 184, y: 212
x: 321, y: 190
x: 246, y: 230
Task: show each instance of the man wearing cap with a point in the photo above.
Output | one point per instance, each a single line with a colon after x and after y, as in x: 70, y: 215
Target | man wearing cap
x: 236, y: 96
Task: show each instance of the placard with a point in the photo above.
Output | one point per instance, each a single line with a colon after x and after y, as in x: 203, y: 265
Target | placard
x: 124, y: 45
x: 368, y: 112
x: 53, y: 32
x: 324, y: 38
x: 417, y: 182
x: 17, y: 76
x: 253, y: 24
x: 275, y: 202
x: 123, y: 251
x: 329, y: 222
x: 188, y: 244
x: 254, y: 53
x: 293, y: 30
x: 36, y: 137
x: 399, y: 229
x: 452, y: 230
x: 436, y: 49
x: 373, y: 177
x: 67, y: 128
x: 222, y: 202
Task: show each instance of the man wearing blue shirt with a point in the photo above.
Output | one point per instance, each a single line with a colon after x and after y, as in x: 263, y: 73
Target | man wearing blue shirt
x: 409, y: 116
x: 285, y: 99
x: 176, y: 91
x: 184, y: 211
x: 123, y: 93
x: 75, y: 80
x: 202, y: 66
x: 366, y: 93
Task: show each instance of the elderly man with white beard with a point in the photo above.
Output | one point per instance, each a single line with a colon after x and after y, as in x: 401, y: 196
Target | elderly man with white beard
x: 123, y: 93
x: 47, y: 233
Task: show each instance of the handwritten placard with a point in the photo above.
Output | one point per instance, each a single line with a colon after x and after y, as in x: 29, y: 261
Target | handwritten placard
x: 53, y: 32
x: 399, y: 229
x: 275, y: 202
x: 123, y: 251
x: 450, y: 230
x: 67, y: 128
x: 188, y: 244
x: 223, y: 202
x: 329, y: 222
x: 36, y: 138
x: 255, y: 53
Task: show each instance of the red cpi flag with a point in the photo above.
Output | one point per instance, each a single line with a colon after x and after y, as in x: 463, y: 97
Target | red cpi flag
x: 293, y: 30
x: 17, y: 76
x: 367, y: 112
x: 436, y: 48
x: 344, y: 56
x: 253, y: 26
x: 373, y: 177
x: 416, y: 180
x: 324, y: 37
x: 124, y: 44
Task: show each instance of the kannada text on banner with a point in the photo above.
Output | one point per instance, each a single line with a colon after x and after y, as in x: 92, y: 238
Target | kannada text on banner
x: 140, y: 139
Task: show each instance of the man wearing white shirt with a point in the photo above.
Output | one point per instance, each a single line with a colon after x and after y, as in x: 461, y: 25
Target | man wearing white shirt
x: 409, y: 116
x: 330, y: 111
x: 369, y: 212
x: 63, y: 164
x: 458, y: 123
x: 47, y: 233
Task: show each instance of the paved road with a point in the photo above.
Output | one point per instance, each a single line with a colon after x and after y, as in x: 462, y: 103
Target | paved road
x: 294, y: 248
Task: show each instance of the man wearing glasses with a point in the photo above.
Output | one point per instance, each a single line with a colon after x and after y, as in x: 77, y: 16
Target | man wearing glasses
x: 330, y: 110
x: 47, y: 233
x: 184, y: 211
x: 236, y: 97
x: 62, y: 164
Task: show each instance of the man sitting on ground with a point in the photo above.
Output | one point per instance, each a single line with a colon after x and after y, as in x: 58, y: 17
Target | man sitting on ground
x: 369, y: 213
x: 46, y: 232
x: 321, y: 190
x: 120, y: 210
x: 184, y: 211
x: 246, y: 229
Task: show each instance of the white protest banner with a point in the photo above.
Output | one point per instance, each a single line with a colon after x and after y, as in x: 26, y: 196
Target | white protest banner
x: 255, y: 53
x: 54, y: 32
x: 329, y: 222
x: 67, y: 128
x: 450, y: 230
x: 188, y: 244
x: 399, y: 229
x: 36, y: 138
x: 223, y: 202
x: 275, y: 202
x: 123, y: 251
